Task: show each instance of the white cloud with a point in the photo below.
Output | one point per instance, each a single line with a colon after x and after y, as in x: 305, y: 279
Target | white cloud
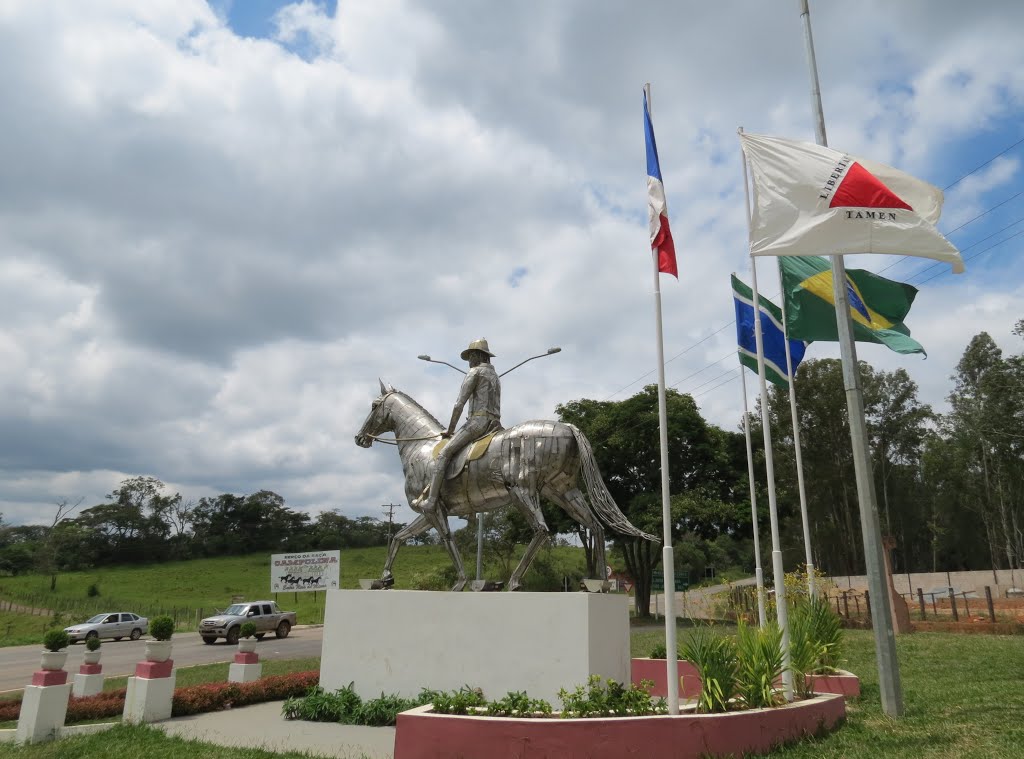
x: 211, y: 246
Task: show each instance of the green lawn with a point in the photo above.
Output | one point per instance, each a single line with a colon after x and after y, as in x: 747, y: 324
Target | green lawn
x: 22, y: 629
x: 192, y: 589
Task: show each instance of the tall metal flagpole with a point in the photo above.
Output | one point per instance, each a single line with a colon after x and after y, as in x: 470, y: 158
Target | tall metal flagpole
x: 808, y: 557
x: 667, y: 559
x: 778, y: 573
x: 881, y: 614
x: 758, y: 574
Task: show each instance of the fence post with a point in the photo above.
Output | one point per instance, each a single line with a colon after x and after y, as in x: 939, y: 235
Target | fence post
x: 991, y: 609
x: 967, y: 606
x: 846, y: 604
x: 867, y: 603
x: 952, y: 603
x: 920, y: 600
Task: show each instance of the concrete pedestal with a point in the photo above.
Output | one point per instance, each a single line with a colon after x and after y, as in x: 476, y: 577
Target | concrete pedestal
x: 149, y: 699
x: 400, y: 642
x: 43, y: 710
x: 87, y: 684
x: 245, y: 668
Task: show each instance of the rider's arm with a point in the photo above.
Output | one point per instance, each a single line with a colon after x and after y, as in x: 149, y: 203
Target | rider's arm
x: 465, y: 393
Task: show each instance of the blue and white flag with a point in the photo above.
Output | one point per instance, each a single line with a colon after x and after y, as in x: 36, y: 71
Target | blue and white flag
x: 772, y: 336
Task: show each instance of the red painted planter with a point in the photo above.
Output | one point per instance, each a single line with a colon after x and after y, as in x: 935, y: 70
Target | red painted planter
x: 421, y: 734
x: 657, y: 671
x: 844, y: 683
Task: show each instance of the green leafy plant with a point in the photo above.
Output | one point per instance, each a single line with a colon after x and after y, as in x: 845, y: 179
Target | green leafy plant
x: 93, y: 590
x: 247, y: 630
x: 383, y: 711
x: 92, y: 644
x: 608, y: 698
x: 320, y: 706
x: 760, y: 663
x: 162, y: 627
x: 815, y: 642
x: 715, y: 659
x: 518, y: 704
x: 55, y: 640
x: 456, y: 701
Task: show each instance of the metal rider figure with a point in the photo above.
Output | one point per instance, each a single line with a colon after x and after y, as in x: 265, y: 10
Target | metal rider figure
x: 482, y: 391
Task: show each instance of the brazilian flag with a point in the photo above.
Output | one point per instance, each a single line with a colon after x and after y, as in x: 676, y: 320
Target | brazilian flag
x: 877, y: 305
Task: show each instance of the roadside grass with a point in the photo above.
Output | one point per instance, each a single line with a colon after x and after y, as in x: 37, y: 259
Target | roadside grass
x: 192, y: 589
x: 964, y: 697
x: 18, y: 629
x: 137, y: 740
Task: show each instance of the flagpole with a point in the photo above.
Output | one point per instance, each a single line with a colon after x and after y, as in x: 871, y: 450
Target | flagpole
x: 885, y: 639
x: 778, y: 573
x: 808, y: 557
x: 667, y: 559
x: 758, y: 574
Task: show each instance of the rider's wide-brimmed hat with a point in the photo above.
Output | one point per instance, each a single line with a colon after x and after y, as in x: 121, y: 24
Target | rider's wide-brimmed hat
x: 477, y: 345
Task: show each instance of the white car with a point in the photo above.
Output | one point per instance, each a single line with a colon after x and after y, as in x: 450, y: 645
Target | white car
x: 111, y: 624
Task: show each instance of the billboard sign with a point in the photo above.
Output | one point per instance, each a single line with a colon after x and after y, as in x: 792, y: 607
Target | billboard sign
x: 313, y: 570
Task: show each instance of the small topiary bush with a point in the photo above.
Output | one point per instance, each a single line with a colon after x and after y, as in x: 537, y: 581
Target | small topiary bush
x: 55, y: 640
x: 92, y: 644
x: 247, y: 630
x: 162, y: 627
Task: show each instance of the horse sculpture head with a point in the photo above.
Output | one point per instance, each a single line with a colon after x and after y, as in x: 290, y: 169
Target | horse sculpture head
x: 379, y: 419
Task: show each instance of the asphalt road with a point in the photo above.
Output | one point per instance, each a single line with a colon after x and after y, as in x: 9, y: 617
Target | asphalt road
x: 17, y: 663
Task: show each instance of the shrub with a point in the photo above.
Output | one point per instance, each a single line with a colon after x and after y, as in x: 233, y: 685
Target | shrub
x: 815, y: 642
x: 247, y: 630
x: 715, y: 659
x: 383, y: 711
x: 659, y: 651
x: 320, y: 706
x: 759, y: 656
x: 92, y: 644
x: 454, y: 702
x: 198, y: 699
x: 93, y: 590
x: 162, y: 627
x: 608, y: 698
x: 54, y: 640
x: 518, y: 704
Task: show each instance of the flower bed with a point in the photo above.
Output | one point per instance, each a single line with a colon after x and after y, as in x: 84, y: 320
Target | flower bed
x: 422, y: 734
x: 194, y: 699
x: 655, y: 670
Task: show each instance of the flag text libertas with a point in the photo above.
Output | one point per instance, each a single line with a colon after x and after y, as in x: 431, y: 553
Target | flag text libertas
x: 834, y: 178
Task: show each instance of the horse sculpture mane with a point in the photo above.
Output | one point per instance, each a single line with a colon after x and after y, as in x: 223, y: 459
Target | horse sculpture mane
x: 524, y: 463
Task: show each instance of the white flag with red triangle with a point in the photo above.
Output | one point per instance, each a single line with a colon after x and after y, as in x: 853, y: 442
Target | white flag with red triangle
x: 813, y: 201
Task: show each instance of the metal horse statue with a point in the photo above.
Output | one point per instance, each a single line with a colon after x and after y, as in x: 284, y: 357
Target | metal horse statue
x: 521, y: 464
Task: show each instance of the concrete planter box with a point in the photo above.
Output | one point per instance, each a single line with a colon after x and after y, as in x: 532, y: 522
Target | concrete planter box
x: 53, y: 660
x: 158, y: 650
x: 421, y: 734
x: 247, y: 646
x: 657, y: 671
x: 842, y: 682
x: 92, y: 657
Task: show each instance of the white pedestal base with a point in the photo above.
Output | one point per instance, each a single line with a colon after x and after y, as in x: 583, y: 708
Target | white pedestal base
x: 149, y: 700
x: 401, y: 641
x: 43, y: 709
x: 244, y: 673
x: 87, y: 685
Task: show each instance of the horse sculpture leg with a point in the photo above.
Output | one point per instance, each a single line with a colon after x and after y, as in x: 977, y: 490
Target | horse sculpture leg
x: 575, y: 504
x: 419, y: 525
x: 529, y: 505
x: 438, y: 519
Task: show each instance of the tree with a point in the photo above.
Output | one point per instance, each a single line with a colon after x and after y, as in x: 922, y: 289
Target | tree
x: 625, y: 438
x: 49, y: 553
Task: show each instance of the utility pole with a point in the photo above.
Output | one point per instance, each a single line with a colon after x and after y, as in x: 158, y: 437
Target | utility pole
x: 389, y: 510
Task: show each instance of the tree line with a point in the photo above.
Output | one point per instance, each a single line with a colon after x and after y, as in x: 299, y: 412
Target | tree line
x: 142, y: 523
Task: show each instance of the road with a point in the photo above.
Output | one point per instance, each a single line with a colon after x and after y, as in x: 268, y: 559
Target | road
x: 698, y: 603
x: 17, y: 663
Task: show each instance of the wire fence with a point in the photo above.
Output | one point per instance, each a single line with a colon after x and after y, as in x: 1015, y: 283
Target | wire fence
x: 934, y: 605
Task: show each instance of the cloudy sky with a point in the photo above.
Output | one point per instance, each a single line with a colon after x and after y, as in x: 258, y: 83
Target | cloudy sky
x: 221, y: 222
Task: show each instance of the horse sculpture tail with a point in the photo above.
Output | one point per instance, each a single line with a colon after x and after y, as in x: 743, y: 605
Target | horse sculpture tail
x: 603, y: 503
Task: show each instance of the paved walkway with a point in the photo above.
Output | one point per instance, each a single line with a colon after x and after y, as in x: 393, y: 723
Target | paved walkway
x: 262, y: 726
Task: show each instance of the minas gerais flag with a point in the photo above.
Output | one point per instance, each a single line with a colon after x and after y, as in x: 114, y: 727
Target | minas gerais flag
x: 811, y: 200
x: 878, y: 305
x: 772, y: 337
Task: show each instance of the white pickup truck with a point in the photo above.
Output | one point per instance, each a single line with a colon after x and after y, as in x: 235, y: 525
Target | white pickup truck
x: 264, y: 614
